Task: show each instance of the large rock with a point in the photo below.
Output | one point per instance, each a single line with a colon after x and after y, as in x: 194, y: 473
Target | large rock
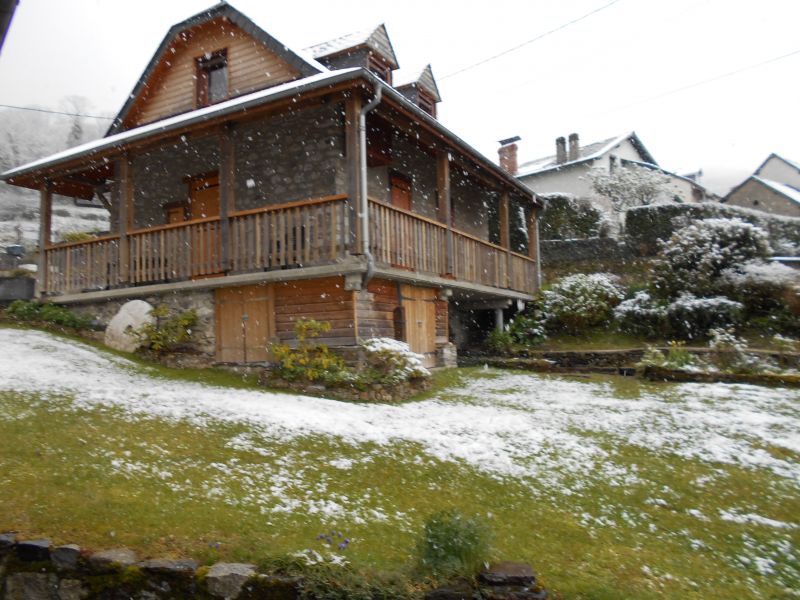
x: 131, y: 316
x: 110, y: 559
x: 34, y: 550
x: 508, y: 573
x: 225, y: 580
x: 167, y: 566
x: 32, y: 586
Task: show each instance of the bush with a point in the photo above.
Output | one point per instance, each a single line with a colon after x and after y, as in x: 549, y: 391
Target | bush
x: 581, y: 301
x: 452, y: 544
x: 390, y: 361
x: 77, y: 236
x: 760, y: 286
x: 729, y: 353
x: 692, y: 317
x: 641, y: 316
x: 167, y: 333
x: 566, y: 218
x: 310, y: 361
x: 528, y: 328
x: 500, y: 341
x: 695, y: 257
x: 45, y: 312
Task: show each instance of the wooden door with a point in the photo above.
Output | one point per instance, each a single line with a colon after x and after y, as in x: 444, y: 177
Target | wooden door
x: 401, y: 191
x: 419, y: 305
x: 245, y: 323
x: 205, y: 237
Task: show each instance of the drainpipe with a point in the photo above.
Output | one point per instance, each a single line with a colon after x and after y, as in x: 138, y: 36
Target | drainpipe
x: 363, y: 201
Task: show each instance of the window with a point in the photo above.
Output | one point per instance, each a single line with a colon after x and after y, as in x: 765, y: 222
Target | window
x: 212, y: 78
x: 427, y: 103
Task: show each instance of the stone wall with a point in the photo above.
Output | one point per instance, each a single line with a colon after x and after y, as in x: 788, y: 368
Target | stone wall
x: 202, y: 302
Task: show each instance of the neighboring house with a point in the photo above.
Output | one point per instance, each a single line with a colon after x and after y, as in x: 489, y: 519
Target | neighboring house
x: 567, y: 171
x: 773, y: 188
x: 260, y: 185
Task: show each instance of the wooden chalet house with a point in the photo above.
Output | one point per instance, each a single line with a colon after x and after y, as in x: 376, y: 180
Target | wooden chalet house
x: 258, y: 185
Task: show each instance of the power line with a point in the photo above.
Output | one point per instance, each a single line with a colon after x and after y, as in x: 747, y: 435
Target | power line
x: 531, y: 41
x: 54, y: 112
x: 702, y: 82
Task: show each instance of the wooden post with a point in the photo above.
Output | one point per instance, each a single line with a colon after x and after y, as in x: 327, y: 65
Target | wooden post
x: 45, y: 221
x: 505, y: 234
x: 353, y: 157
x: 125, y: 215
x: 444, y: 208
x: 227, y: 170
x: 533, y: 242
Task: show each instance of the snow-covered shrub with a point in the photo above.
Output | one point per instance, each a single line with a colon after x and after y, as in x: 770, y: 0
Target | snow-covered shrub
x: 642, y: 316
x: 391, y: 361
x: 785, y: 344
x: 676, y: 357
x: 695, y: 257
x: 729, y: 353
x: 691, y: 317
x: 528, y: 328
x: 761, y: 286
x: 581, y: 301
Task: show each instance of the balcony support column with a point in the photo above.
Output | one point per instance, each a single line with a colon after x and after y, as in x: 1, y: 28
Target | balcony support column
x: 45, y: 227
x: 124, y: 215
x: 444, y: 207
x: 352, y: 154
x: 533, y: 243
x: 227, y: 170
x: 505, y: 235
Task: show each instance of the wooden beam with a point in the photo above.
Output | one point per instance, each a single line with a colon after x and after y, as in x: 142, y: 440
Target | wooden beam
x: 445, y: 205
x: 533, y: 234
x: 227, y: 202
x: 45, y: 223
x: 124, y: 215
x: 505, y: 234
x: 352, y: 156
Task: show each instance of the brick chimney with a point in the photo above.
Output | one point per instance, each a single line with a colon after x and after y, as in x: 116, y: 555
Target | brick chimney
x: 561, y: 150
x: 574, y: 147
x: 507, y: 152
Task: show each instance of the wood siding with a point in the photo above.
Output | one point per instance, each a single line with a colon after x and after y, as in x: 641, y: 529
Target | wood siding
x: 320, y: 299
x: 375, y: 309
x: 171, y: 89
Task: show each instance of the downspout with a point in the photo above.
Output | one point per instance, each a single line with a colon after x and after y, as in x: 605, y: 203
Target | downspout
x: 362, y: 188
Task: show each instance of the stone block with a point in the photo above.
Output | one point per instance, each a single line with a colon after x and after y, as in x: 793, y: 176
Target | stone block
x: 32, y: 586
x: 225, y: 580
x: 110, y: 559
x: 456, y: 592
x: 34, y: 550
x: 508, y: 574
x: 72, y: 589
x: 65, y: 557
x: 7, y: 541
x: 166, y: 566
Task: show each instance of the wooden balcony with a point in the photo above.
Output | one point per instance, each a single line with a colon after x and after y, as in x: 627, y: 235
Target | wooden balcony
x: 294, y: 235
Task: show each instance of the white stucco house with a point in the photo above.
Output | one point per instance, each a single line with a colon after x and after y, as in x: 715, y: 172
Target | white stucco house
x: 774, y: 188
x: 567, y: 171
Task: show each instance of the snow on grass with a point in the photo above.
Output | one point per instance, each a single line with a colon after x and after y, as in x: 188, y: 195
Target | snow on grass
x: 518, y: 425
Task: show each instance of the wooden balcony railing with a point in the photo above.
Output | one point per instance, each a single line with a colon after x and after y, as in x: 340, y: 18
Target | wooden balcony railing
x: 297, y: 234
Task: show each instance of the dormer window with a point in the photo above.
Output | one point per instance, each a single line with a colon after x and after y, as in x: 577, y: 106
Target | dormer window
x: 427, y: 103
x: 379, y: 68
x: 212, y: 78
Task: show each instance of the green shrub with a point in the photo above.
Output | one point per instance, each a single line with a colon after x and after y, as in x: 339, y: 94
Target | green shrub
x: 528, y: 328
x: 500, y: 341
x: 452, y: 544
x: 167, y: 333
x: 565, y: 218
x: 310, y: 361
x: 45, y: 312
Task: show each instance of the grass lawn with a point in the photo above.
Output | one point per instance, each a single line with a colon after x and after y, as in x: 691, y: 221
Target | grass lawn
x: 610, y: 487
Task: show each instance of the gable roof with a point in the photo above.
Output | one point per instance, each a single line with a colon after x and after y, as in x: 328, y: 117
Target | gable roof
x: 787, y: 191
x: 791, y: 163
x: 424, y: 79
x: 586, y: 153
x: 304, y: 65
x: 375, y: 38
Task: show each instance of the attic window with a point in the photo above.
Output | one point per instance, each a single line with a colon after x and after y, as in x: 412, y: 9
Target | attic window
x: 427, y: 103
x: 212, y: 78
x: 379, y: 68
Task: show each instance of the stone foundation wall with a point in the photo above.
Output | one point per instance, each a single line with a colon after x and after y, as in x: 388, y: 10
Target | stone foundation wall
x: 202, y: 302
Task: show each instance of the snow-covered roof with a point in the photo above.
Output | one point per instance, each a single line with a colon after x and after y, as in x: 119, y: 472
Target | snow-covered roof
x: 791, y: 163
x: 420, y: 77
x: 652, y: 167
x: 791, y: 193
x: 375, y: 38
x: 201, y: 114
x: 586, y: 152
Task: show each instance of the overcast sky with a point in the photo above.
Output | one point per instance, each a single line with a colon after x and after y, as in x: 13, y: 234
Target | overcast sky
x: 654, y: 66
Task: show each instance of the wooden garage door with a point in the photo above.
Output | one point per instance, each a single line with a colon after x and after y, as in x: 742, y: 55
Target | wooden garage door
x: 245, y: 319
x: 420, y: 316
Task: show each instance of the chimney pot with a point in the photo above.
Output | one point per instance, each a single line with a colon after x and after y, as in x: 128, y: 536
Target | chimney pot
x: 574, y: 147
x: 507, y: 154
x: 561, y: 150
